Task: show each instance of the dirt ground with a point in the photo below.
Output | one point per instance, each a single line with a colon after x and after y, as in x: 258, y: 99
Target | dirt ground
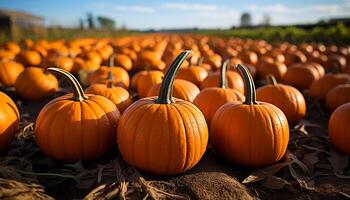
x: 311, y: 169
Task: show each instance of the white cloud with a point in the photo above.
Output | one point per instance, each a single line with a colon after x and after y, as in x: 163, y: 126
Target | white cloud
x: 135, y: 8
x: 190, y: 6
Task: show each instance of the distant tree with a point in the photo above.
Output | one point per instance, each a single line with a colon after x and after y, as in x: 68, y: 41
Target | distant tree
x: 246, y: 20
x: 81, y: 23
x: 90, y: 20
x: 105, y: 22
x: 266, y: 20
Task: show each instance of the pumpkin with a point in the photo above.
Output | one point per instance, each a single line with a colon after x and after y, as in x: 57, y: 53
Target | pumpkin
x: 12, y: 46
x: 210, y: 99
x: 192, y: 73
x: 249, y: 57
x: 124, y: 61
x: 30, y: 58
x: 9, y: 72
x: 277, y: 69
x: 163, y: 135
x: 62, y: 62
x: 339, y: 128
x: 321, y: 87
x: 7, y: 54
x: 300, y: 76
x: 294, y: 57
x: 234, y: 80
x: 214, y: 61
x: 285, y: 97
x: 118, y: 95
x: 143, y: 81
x: 35, y: 83
x: 9, y: 120
x: 120, y: 75
x: 251, y: 133
x: 182, y: 90
x: 338, y: 96
x: 149, y: 59
x: 76, y: 126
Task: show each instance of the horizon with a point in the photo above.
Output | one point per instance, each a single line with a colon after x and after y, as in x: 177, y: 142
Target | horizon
x: 170, y: 14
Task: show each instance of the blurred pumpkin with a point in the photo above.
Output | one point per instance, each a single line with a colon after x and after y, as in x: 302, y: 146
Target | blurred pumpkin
x: 123, y: 61
x: 9, y: 122
x: 338, y: 96
x: 143, y: 81
x: 321, y: 87
x: 9, y: 72
x: 300, y: 76
x: 234, y: 80
x: 30, y: 58
x: 192, y: 73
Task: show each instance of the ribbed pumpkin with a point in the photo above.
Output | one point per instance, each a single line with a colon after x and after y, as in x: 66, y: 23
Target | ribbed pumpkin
x: 338, y: 96
x: 9, y: 72
x: 339, y: 128
x: 192, y: 73
x: 234, y: 80
x: 321, y: 87
x: 118, y: 95
x: 35, y: 83
x: 250, y: 134
x: 120, y: 75
x: 182, y: 89
x: 285, y: 97
x: 163, y: 135
x: 76, y: 126
x: 143, y: 81
x: 210, y: 99
x: 9, y: 120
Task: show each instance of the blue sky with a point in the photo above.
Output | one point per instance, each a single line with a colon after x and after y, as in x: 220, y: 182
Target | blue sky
x: 158, y: 14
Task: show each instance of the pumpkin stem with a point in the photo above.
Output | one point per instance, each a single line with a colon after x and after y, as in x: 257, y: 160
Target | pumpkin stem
x: 166, y: 89
x: 78, y: 92
x: 271, y: 79
x: 223, y: 78
x: 110, y: 72
x: 250, y: 93
x: 200, y: 61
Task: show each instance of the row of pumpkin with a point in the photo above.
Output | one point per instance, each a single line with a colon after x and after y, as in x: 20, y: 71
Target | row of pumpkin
x: 165, y: 135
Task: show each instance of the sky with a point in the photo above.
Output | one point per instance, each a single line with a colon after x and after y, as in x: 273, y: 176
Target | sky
x: 168, y: 14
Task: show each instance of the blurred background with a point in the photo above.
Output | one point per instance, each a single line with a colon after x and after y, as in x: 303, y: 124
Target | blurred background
x: 325, y: 21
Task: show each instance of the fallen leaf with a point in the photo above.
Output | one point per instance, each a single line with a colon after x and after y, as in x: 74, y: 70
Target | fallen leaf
x: 260, y: 174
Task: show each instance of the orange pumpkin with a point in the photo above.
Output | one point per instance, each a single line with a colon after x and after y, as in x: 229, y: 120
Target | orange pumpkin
x: 9, y: 72
x: 61, y: 62
x: 123, y: 61
x: 210, y: 99
x: 30, y: 58
x: 277, y: 69
x: 294, y: 57
x: 12, y: 46
x: 163, y: 135
x: 338, y: 96
x: 9, y: 116
x: 34, y: 84
x: 300, y: 76
x: 251, y: 134
x: 182, y: 90
x: 339, y: 128
x: 143, y: 81
x: 285, y: 97
x: 7, y: 54
x: 76, y: 126
x: 192, y: 73
x: 321, y: 87
x: 120, y: 75
x: 234, y: 81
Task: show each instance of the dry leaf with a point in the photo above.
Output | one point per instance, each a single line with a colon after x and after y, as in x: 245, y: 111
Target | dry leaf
x: 260, y: 174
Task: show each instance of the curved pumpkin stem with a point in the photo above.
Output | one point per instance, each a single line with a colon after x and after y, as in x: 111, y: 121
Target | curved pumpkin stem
x: 78, y: 92
x: 271, y: 79
x: 166, y: 89
x: 110, y: 72
x: 250, y: 93
x: 223, y: 78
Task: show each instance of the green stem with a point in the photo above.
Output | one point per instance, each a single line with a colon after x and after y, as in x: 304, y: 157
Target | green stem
x: 223, y: 78
x: 166, y: 89
x: 250, y: 93
x: 78, y: 92
x: 271, y: 79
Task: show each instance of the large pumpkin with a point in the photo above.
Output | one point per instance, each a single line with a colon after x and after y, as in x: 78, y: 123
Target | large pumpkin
x: 339, y: 128
x: 250, y: 134
x: 9, y: 120
x: 35, y: 83
x: 321, y: 87
x: 163, y: 135
x: 285, y: 97
x: 182, y: 89
x: 9, y: 72
x: 338, y: 96
x: 76, y: 126
x: 210, y: 99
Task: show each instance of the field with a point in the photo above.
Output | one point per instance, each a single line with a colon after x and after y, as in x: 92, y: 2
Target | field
x: 52, y: 160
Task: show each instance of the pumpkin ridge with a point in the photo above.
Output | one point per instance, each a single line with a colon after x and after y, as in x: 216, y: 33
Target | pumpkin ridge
x: 149, y: 138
